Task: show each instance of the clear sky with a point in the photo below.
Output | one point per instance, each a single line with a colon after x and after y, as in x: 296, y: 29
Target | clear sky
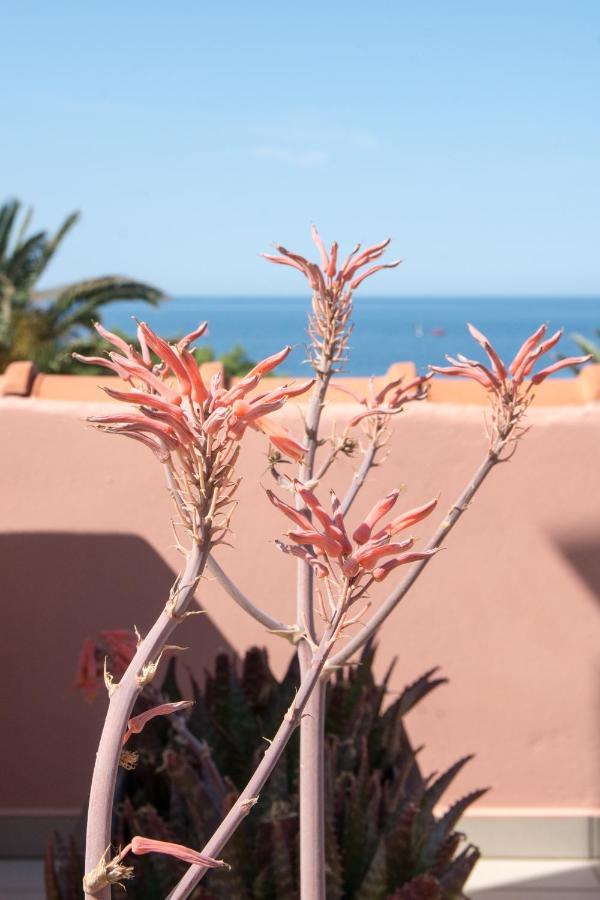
x: 193, y: 134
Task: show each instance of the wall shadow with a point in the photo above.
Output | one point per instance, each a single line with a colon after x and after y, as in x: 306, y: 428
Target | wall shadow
x: 583, y: 553
x: 57, y: 589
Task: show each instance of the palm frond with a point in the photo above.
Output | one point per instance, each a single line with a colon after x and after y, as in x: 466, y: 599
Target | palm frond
x: 53, y: 243
x: 8, y: 214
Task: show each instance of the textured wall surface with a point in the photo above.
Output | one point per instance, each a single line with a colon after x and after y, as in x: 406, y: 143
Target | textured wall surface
x: 510, y: 610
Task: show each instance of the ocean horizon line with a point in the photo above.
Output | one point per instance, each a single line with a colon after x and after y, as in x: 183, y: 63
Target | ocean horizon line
x: 366, y: 297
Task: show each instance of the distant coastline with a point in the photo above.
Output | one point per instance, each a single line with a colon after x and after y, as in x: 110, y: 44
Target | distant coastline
x: 387, y: 329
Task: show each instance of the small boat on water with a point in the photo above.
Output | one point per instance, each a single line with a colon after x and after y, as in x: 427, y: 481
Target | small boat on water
x: 438, y: 332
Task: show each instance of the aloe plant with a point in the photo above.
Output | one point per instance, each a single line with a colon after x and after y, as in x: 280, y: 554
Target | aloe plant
x: 384, y: 838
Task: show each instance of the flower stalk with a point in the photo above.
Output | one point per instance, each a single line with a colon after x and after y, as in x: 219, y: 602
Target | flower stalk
x: 195, y: 430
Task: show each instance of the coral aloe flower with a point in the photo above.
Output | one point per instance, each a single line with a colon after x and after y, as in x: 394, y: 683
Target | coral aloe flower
x: 507, y: 380
x: 176, y: 410
x: 323, y: 540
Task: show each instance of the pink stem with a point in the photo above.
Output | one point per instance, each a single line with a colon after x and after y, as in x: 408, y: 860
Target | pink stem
x: 312, y: 737
x: 99, y: 819
x: 248, y: 797
x: 360, y: 476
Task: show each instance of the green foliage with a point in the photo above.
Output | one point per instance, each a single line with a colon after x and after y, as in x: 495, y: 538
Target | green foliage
x: 587, y: 346
x: 47, y: 326
x: 384, y: 840
x: 235, y: 361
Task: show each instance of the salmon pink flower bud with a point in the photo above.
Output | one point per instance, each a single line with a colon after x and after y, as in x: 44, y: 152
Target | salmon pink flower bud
x: 497, y: 364
x: 407, y: 519
x: 282, y: 261
x: 376, y: 411
x: 142, y: 398
x: 146, y: 357
x: 332, y: 260
x: 526, y: 349
x: 199, y: 391
x: 320, y: 542
x: 113, y: 339
x: 137, y: 723
x: 170, y: 357
x: 354, y: 284
x: 464, y: 372
x: 270, y: 363
x: 365, y: 257
x: 320, y: 570
x: 381, y: 508
x: 381, y: 572
x: 286, y: 391
x: 295, y: 515
x: 313, y: 504
x: 368, y: 558
x: 258, y: 411
x: 281, y: 439
x: 142, y: 845
x: 338, y: 519
x: 193, y: 336
x: 321, y: 247
x: 535, y: 354
x: 105, y: 363
x: 561, y: 364
x: 216, y: 420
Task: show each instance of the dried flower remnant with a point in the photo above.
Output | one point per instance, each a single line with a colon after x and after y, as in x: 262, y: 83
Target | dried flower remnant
x: 509, y: 392
x: 114, y: 872
x: 329, y: 325
x: 193, y: 428
x: 324, y: 543
x: 138, y: 723
x: 117, y: 648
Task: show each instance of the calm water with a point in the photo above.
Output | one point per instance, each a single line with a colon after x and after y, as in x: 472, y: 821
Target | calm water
x: 387, y: 329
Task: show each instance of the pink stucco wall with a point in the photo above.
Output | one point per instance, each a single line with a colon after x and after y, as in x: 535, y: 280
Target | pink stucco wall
x: 510, y: 610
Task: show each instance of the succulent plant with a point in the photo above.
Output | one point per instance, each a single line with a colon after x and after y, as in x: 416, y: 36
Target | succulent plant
x: 384, y: 840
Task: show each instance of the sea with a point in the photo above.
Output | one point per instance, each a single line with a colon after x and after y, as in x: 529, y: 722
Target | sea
x: 386, y: 329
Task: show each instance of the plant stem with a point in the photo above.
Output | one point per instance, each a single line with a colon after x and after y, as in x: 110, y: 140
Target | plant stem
x: 251, y: 792
x: 312, y: 737
x: 312, y: 795
x: 99, y: 819
x: 359, y: 477
x: 244, y: 602
x: 403, y: 587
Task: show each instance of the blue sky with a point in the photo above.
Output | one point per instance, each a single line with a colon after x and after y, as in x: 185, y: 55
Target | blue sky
x: 192, y: 135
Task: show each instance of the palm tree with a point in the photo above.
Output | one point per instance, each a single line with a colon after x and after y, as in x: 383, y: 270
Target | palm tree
x: 47, y: 326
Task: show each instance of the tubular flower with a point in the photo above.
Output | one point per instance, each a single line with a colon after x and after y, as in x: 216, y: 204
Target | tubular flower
x: 193, y: 428
x: 332, y: 286
x: 390, y: 399
x: 137, y: 723
x: 321, y: 538
x: 116, y: 647
x: 113, y: 871
x: 510, y: 393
